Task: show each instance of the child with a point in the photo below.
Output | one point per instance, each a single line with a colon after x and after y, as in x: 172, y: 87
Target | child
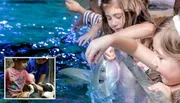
x: 17, y: 78
x: 165, y: 57
x: 125, y: 18
x: 39, y: 68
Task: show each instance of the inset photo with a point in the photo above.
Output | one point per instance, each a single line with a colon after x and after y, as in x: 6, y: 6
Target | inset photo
x: 29, y: 77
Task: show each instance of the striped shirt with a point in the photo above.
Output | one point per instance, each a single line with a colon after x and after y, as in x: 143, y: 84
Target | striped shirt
x: 90, y: 18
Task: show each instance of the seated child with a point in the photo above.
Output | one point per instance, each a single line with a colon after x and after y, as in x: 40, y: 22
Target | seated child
x: 17, y: 78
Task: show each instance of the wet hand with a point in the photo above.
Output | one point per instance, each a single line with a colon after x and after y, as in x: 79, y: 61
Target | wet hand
x: 163, y: 88
x: 97, y: 47
x: 77, y: 25
x: 92, y: 34
x: 110, y: 54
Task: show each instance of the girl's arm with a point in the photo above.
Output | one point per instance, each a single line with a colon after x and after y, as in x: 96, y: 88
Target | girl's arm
x: 98, y: 46
x: 138, y: 31
x: 75, y: 6
x: 135, y: 49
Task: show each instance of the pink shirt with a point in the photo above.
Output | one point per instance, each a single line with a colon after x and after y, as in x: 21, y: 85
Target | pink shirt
x: 15, y: 80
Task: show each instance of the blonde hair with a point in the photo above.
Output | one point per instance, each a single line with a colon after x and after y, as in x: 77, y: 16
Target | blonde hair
x: 170, y: 39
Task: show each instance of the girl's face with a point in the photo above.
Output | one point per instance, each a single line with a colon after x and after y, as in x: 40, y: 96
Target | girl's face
x: 169, y: 68
x: 115, y: 16
x: 21, y: 64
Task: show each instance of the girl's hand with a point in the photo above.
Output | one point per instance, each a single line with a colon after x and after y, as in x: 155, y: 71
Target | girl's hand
x: 109, y: 54
x: 77, y: 25
x: 97, y: 47
x: 92, y: 34
x: 163, y: 88
x: 73, y: 5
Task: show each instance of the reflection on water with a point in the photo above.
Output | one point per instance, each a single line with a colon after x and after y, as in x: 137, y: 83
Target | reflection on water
x: 43, y: 28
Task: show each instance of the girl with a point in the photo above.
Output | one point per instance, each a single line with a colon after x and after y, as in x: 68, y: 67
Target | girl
x: 131, y: 12
x: 165, y: 57
x: 17, y: 79
x: 135, y: 13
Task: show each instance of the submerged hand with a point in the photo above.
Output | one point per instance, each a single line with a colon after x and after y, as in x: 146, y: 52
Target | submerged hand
x: 109, y: 54
x: 163, y: 88
x: 77, y: 25
x: 97, y: 47
x: 92, y: 34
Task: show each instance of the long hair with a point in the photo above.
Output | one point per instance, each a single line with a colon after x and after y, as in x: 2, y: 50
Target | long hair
x: 170, y: 39
x: 135, y: 12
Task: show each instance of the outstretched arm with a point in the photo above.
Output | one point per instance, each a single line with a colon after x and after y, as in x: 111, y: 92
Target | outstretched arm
x: 138, y: 31
x: 98, y: 46
x: 75, y: 6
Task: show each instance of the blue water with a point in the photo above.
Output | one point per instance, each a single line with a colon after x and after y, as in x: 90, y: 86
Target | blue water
x: 43, y: 28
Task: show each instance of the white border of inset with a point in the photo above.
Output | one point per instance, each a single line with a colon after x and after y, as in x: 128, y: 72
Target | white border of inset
x: 54, y: 58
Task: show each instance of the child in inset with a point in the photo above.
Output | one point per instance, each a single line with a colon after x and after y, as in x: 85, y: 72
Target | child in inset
x: 16, y: 79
